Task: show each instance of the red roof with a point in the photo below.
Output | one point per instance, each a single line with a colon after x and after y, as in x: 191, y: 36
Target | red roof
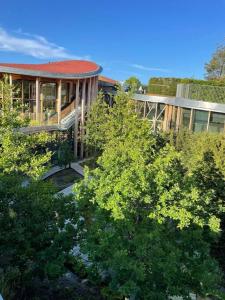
x: 108, y: 80
x: 64, y: 67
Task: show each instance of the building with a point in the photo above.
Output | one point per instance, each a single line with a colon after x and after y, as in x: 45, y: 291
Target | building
x: 195, y: 108
x: 55, y: 95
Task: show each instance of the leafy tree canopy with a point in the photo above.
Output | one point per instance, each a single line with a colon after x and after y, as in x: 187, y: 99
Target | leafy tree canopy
x: 21, y: 153
x: 145, y: 214
x: 215, y: 68
x: 132, y: 83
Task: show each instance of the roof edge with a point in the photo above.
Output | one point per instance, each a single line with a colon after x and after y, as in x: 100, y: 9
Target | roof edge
x: 34, y: 73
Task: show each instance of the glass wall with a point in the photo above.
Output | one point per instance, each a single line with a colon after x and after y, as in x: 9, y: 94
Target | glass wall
x: 200, y: 120
x: 48, y: 92
x: 150, y: 110
x: 217, y: 122
x: 160, y: 115
x: 65, y: 94
x: 185, y: 118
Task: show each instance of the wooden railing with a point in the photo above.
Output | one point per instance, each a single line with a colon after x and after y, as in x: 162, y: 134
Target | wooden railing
x: 51, y: 120
x: 68, y: 109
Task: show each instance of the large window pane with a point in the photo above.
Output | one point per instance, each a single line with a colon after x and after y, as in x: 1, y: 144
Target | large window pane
x: 150, y: 110
x: 185, y: 119
x: 200, y: 120
x: 48, y: 91
x: 217, y: 122
x: 65, y: 94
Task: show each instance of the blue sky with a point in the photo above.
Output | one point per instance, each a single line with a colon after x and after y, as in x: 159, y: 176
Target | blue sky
x: 143, y: 38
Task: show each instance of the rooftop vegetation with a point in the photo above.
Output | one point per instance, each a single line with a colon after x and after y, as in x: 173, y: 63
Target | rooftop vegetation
x: 206, y: 90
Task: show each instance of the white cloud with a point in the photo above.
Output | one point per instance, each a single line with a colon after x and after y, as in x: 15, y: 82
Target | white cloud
x: 140, y: 67
x: 33, y: 45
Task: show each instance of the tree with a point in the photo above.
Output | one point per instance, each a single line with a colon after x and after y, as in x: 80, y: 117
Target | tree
x: 19, y: 152
x: 37, y: 234
x: 133, y: 83
x: 215, y: 69
x: 145, y: 215
x: 65, y: 155
x: 35, y: 241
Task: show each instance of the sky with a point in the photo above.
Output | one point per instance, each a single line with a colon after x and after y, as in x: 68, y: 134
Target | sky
x: 144, y: 38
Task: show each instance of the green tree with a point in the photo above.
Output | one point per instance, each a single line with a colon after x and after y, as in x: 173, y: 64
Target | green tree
x: 133, y: 84
x: 22, y: 153
x: 35, y: 240
x: 65, y: 155
x: 215, y: 69
x: 192, y: 147
x: 145, y: 215
x: 37, y: 234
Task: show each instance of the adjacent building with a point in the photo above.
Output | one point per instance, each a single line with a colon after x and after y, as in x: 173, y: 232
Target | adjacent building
x: 55, y: 95
x: 195, y: 108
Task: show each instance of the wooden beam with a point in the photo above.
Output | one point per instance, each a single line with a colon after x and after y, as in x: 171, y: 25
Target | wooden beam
x: 37, y: 91
x: 59, y: 99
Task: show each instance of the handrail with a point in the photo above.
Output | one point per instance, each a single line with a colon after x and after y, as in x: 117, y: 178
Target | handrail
x: 68, y: 109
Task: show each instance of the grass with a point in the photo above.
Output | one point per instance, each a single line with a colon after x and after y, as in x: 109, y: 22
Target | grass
x: 64, y: 178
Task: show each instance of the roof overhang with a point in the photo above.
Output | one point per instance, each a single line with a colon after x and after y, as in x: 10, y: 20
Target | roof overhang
x: 182, y: 102
x: 51, y: 70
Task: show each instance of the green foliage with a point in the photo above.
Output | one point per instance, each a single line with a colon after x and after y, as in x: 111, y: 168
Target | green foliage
x: 215, y: 69
x: 19, y: 152
x: 193, y: 146
x: 133, y: 84
x: 145, y: 215
x: 168, y: 86
x: 37, y: 231
x: 65, y: 155
x: 35, y: 241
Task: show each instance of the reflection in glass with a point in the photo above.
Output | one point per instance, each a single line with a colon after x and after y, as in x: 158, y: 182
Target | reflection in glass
x: 185, y: 119
x: 216, y: 122
x: 200, y: 120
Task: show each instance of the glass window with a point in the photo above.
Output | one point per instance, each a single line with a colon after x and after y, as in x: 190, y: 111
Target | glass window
x: 200, y: 120
x: 29, y: 89
x: 17, y: 89
x: 173, y: 117
x: 217, y: 122
x: 65, y: 94
x: 48, y: 91
x: 160, y: 115
x: 150, y: 110
x: 185, y: 119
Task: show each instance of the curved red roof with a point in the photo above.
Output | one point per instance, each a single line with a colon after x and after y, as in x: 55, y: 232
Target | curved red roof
x: 68, y: 67
x: 108, y: 80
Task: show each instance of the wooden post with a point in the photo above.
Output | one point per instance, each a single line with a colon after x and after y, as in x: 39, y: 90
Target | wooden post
x: 70, y: 91
x: 59, y: 99
x: 22, y: 95
x: 209, y: 115
x: 75, y: 141
x: 166, y: 118
x: 155, y: 117
x: 77, y: 93
x: 11, y: 88
x: 37, y: 91
x: 89, y: 94
x: 191, y: 120
x: 179, y: 112
x: 96, y: 87
x: 82, y: 118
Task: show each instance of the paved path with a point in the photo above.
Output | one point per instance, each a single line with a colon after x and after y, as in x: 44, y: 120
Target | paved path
x: 75, y: 165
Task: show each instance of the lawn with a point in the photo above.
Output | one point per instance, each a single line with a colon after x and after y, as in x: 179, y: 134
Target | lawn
x: 64, y: 178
